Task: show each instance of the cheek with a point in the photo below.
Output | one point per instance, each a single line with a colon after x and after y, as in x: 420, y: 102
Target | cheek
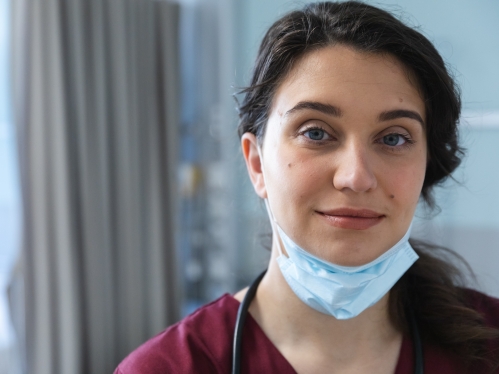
x: 296, y: 179
x: 404, y: 186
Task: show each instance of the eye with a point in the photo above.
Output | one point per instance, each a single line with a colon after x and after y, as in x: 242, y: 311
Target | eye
x: 394, y: 140
x: 316, y: 134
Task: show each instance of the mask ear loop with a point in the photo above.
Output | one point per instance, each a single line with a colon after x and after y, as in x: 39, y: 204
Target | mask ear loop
x: 275, y: 231
x: 273, y: 222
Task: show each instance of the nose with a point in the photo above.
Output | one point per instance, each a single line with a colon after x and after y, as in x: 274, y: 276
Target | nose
x: 354, y: 170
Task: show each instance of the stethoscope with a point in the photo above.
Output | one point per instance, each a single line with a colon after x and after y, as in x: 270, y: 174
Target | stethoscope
x: 243, y: 312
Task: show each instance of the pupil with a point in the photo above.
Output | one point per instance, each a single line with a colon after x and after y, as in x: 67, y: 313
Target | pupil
x: 316, y: 134
x: 391, y: 139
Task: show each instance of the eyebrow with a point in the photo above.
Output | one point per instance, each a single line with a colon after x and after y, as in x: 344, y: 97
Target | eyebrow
x: 401, y: 113
x: 336, y: 112
x: 315, y: 105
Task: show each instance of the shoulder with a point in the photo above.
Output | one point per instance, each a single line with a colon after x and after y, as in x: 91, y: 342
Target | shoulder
x: 487, y: 306
x: 198, y: 343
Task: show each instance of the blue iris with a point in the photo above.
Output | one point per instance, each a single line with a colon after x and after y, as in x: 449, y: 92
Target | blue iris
x: 316, y: 134
x: 391, y: 139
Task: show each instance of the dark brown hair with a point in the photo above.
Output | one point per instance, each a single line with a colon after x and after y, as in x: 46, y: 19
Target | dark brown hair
x: 430, y: 287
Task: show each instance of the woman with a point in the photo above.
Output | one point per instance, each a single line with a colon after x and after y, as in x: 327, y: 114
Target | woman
x: 350, y: 118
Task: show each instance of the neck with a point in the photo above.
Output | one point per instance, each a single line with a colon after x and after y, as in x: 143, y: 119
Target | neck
x: 293, y: 326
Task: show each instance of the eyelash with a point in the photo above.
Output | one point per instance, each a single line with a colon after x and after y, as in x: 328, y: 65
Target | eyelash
x: 312, y: 128
x: 408, y: 141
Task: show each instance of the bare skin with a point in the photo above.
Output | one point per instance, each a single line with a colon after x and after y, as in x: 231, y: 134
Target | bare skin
x: 312, y: 162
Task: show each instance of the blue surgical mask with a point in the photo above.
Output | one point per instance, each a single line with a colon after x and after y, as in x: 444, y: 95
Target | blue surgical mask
x: 341, y: 291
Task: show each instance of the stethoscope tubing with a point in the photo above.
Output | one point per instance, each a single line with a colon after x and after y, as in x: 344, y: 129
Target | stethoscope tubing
x: 243, y: 312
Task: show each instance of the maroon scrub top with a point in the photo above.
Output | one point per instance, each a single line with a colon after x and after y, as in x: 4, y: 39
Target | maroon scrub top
x: 202, y: 343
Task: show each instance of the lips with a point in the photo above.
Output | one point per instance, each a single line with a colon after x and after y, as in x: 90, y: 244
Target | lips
x: 352, y: 219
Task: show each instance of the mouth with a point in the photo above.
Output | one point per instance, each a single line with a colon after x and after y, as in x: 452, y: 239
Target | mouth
x: 352, y: 219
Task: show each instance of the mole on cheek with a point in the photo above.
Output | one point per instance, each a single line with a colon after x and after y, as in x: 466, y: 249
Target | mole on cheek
x: 400, y: 99
x: 392, y: 196
x: 290, y: 164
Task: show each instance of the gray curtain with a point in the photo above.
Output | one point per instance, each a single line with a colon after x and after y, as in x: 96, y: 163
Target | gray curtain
x: 95, y: 93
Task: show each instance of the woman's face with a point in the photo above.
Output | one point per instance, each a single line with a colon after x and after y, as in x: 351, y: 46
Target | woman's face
x: 344, y: 154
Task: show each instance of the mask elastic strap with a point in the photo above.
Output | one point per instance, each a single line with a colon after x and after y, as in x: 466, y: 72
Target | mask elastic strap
x: 273, y: 223
x: 275, y: 231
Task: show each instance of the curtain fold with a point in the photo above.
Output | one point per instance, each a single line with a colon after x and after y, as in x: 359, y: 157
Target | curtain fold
x: 96, y: 112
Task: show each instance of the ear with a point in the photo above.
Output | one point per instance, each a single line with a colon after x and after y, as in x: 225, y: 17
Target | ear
x: 249, y: 147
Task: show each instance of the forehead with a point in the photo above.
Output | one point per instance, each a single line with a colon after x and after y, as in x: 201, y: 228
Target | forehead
x: 351, y: 80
